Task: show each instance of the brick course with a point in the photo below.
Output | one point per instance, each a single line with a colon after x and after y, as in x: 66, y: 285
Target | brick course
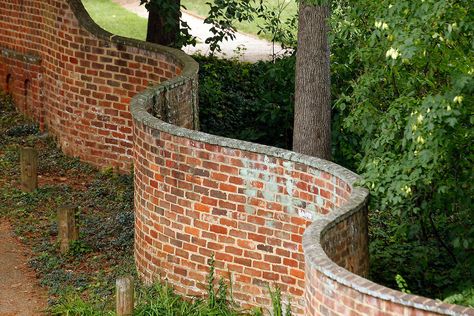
x: 270, y: 216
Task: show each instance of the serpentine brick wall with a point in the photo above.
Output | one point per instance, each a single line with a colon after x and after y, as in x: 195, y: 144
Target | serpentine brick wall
x: 270, y: 216
x: 77, y: 80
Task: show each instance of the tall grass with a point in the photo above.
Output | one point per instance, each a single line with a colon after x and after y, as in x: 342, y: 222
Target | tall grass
x: 161, y: 300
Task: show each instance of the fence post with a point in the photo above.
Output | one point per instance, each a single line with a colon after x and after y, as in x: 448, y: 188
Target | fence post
x: 124, y: 296
x: 29, y: 169
x: 67, y: 230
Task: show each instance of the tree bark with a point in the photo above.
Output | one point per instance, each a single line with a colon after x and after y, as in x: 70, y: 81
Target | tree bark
x: 312, y: 121
x: 163, y: 25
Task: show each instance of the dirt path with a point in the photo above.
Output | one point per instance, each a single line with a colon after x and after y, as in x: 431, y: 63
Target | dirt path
x: 255, y: 48
x: 19, y: 293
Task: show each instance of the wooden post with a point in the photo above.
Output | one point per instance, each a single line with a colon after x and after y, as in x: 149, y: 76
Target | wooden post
x: 124, y: 296
x: 29, y: 169
x: 67, y: 230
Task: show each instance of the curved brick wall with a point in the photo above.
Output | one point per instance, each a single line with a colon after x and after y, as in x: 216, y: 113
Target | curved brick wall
x: 198, y: 194
x: 270, y: 216
x: 77, y: 79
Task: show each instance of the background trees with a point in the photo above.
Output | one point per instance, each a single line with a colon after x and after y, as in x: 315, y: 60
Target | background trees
x: 404, y: 98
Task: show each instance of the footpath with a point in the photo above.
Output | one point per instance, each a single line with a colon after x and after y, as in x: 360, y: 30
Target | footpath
x: 20, y: 293
x: 254, y: 50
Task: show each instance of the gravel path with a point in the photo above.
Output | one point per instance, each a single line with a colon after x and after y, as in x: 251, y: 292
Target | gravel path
x: 19, y: 291
x: 255, y: 48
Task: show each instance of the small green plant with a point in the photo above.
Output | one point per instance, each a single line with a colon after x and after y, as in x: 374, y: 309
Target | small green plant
x: 402, y: 284
x: 78, y: 248
x: 466, y: 298
x: 73, y: 305
x: 278, y: 308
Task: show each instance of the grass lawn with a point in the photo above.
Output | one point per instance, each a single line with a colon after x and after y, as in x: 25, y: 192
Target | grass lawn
x: 115, y: 19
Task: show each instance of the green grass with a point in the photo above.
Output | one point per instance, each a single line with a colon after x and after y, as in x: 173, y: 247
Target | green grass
x: 115, y: 19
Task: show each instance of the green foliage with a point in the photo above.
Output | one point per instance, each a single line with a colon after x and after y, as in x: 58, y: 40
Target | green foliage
x: 222, y: 15
x: 402, y: 284
x: 274, y: 25
x: 404, y: 97
x: 277, y: 304
x: 79, y: 248
x: 466, y: 298
x: 161, y: 300
x: 74, y: 305
x: 252, y: 102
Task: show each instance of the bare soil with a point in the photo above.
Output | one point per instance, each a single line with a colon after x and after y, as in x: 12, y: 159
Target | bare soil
x: 20, y: 293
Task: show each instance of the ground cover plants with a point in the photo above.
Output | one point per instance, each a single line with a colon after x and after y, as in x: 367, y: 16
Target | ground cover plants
x: 103, y: 202
x: 82, y: 282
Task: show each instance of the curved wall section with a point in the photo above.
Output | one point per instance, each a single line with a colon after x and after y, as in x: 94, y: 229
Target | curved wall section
x: 197, y: 195
x: 333, y: 290
x: 271, y: 218
x: 77, y: 79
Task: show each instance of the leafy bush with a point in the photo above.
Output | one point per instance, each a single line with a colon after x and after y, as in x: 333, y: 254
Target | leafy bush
x: 246, y: 101
x: 405, y: 98
x: 466, y: 297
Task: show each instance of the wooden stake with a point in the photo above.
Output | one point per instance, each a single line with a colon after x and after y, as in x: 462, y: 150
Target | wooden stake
x: 124, y: 296
x: 67, y: 230
x: 29, y: 169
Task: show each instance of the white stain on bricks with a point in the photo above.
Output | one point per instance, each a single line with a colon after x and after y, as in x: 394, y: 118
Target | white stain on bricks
x: 255, y: 171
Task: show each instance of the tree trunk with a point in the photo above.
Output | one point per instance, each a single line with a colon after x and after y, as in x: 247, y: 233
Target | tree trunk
x: 312, y: 122
x: 163, y: 24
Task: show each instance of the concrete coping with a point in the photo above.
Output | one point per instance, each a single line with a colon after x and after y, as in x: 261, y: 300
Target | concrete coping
x: 141, y: 107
